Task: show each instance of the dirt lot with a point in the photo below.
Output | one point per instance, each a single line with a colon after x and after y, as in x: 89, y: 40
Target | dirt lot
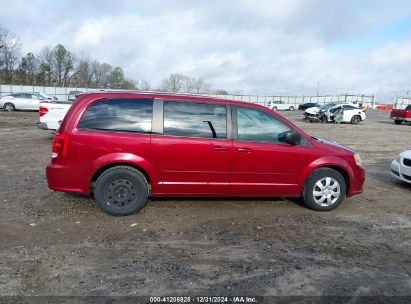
x: 60, y: 244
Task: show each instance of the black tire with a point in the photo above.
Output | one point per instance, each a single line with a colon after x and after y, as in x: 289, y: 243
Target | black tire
x: 291, y: 108
x: 356, y: 119
x: 274, y: 108
x: 9, y: 107
x: 121, y: 190
x: 398, y: 122
x: 318, y: 176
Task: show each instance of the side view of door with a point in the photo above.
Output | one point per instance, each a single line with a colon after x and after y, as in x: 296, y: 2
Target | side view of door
x: 262, y: 164
x: 191, y: 146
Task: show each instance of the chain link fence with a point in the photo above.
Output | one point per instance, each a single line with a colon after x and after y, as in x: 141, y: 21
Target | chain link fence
x: 402, y: 102
x: 62, y: 94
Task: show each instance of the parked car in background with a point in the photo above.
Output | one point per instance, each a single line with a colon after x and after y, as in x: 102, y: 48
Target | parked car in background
x: 51, y: 114
x: 280, y: 105
x: 401, y: 167
x: 72, y: 95
x: 399, y: 116
x: 44, y: 96
x: 23, y: 101
x: 125, y: 147
x: 335, y: 112
x: 308, y: 105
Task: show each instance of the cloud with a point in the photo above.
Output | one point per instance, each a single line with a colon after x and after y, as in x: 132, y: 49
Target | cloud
x: 264, y: 47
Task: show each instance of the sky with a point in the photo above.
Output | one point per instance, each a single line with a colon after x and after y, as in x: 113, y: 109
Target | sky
x: 273, y: 47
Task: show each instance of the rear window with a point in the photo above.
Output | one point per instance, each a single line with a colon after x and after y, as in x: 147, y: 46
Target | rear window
x: 123, y: 115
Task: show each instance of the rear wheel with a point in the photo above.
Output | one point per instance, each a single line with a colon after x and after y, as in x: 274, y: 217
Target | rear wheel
x: 324, y: 190
x: 397, y: 121
x: 9, y: 107
x: 356, y: 119
x: 291, y: 108
x: 121, y: 190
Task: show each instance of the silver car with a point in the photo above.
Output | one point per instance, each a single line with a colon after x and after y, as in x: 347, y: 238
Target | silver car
x: 22, y: 101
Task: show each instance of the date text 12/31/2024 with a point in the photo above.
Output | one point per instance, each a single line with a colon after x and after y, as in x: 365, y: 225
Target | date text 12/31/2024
x: 238, y: 299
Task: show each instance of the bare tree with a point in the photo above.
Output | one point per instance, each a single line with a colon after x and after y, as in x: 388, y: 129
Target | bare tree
x: 174, y: 83
x: 144, y: 85
x: 45, y: 58
x: 9, y: 54
x: 102, y: 72
x: 195, y: 85
x: 63, y: 65
x: 85, y: 71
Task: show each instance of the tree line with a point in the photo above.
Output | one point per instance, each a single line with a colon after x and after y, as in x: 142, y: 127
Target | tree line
x: 57, y: 66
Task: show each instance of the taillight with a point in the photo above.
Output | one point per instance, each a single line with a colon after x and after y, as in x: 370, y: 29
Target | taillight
x: 60, y: 145
x: 43, y: 111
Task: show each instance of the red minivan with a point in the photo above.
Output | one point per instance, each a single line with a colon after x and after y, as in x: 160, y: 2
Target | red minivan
x: 125, y: 147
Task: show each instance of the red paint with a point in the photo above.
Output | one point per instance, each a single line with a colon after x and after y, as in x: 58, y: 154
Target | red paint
x: 183, y: 166
x: 401, y: 114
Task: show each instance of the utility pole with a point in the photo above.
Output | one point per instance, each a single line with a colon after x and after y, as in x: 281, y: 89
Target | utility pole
x: 318, y: 88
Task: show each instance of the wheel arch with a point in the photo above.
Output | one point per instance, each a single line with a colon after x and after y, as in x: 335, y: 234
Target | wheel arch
x: 345, y: 172
x: 102, y: 169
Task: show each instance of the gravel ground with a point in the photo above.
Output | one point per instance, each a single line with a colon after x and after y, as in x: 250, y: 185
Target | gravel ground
x: 61, y: 244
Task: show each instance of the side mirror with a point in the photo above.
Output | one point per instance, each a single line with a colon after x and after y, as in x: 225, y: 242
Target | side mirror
x: 290, y: 137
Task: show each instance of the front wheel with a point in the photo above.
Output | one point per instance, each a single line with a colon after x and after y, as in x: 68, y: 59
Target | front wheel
x: 324, y: 190
x: 291, y: 108
x: 274, y: 108
x: 397, y: 121
x: 121, y: 190
x: 9, y: 107
x: 356, y: 119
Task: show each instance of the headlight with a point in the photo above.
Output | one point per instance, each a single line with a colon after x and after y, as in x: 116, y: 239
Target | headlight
x: 398, y: 158
x: 357, y: 159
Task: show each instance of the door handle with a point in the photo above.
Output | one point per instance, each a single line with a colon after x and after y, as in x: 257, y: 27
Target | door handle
x: 219, y: 148
x: 244, y: 150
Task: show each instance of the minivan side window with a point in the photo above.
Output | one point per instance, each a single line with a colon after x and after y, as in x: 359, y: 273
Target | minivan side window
x: 123, y: 115
x: 191, y: 119
x: 258, y: 126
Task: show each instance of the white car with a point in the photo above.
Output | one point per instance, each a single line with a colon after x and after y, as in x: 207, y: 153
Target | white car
x: 336, y: 112
x: 280, y: 105
x: 401, y: 167
x: 22, y: 101
x: 52, y: 114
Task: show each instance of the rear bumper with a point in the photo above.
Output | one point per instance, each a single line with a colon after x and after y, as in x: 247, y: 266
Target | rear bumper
x: 61, y: 178
x: 48, y: 126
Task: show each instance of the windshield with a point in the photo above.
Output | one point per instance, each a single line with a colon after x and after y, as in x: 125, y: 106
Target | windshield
x: 41, y: 95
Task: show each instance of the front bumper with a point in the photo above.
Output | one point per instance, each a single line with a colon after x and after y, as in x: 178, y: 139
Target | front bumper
x: 400, y: 171
x: 357, y: 181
